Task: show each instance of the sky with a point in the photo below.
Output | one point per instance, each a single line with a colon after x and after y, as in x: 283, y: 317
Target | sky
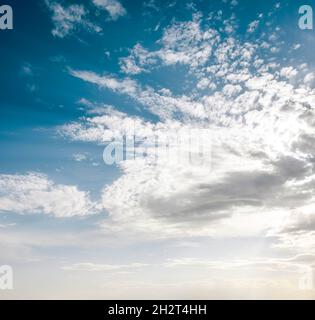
x: 229, y: 216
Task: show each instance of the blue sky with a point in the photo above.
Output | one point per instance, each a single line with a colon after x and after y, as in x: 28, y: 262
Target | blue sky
x: 76, y: 75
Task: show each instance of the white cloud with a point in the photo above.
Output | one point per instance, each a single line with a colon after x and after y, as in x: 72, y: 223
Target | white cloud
x: 34, y: 193
x: 137, y: 61
x: 293, y: 264
x: 107, y: 127
x: 261, y: 136
x: 161, y: 103
x: 126, y: 86
x: 232, y: 90
x: 296, y: 46
x: 113, y: 7
x: 253, y: 26
x: 68, y: 19
x: 27, y: 69
x: 88, y: 266
x: 7, y: 225
x: 288, y: 72
x: 79, y: 157
x: 182, y: 43
x: 309, y: 78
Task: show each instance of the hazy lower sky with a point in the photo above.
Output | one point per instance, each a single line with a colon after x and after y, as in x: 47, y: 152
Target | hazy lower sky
x: 78, y: 75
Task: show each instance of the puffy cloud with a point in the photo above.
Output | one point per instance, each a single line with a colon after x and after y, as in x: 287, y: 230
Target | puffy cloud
x: 107, y: 127
x: 138, y: 60
x: 182, y: 43
x: 232, y: 90
x: 288, y: 72
x: 309, y: 78
x: 34, y: 193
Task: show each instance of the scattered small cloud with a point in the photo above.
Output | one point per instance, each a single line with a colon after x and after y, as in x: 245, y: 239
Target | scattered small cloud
x: 68, y: 19
x: 113, y: 7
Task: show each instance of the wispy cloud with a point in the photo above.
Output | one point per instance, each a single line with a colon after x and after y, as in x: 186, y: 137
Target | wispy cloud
x: 293, y: 264
x: 68, y: 19
x: 113, y: 7
x: 88, y: 266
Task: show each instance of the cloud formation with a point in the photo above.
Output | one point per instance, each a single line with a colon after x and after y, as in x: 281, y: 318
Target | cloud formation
x: 258, y: 112
x: 68, y: 19
x: 34, y: 193
x: 113, y: 7
x: 88, y: 266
